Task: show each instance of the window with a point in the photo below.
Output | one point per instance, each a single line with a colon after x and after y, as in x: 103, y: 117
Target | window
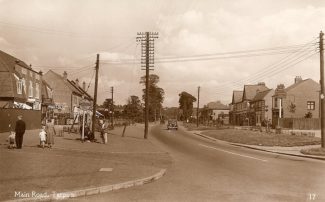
x: 275, y: 102
x: 311, y: 105
x: 24, y: 84
x: 30, y: 94
x: 19, y: 87
x: 37, y: 90
x: 23, y: 71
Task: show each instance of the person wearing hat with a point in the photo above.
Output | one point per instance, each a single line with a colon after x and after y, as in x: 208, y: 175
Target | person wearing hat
x: 20, y: 131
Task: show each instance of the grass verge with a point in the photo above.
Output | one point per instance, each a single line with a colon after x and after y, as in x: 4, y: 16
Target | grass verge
x: 314, y: 151
x: 260, y: 138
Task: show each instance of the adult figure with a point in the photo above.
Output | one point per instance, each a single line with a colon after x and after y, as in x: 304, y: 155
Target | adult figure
x: 50, y: 132
x: 20, y: 131
x: 104, y: 131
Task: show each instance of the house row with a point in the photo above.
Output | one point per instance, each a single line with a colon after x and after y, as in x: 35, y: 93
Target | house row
x: 67, y: 95
x: 256, y: 104
x: 23, y: 91
x: 37, y: 96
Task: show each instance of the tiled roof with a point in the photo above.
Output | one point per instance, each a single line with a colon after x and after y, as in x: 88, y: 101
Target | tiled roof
x: 217, y: 105
x: 72, y: 85
x: 261, y: 95
x: 251, y: 90
x: 296, y: 84
x: 237, y: 96
x: 7, y: 81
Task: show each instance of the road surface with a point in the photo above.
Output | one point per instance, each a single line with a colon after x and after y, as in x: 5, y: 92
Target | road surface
x: 208, y: 171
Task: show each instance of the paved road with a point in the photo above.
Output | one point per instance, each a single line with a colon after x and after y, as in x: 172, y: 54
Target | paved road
x: 207, y: 171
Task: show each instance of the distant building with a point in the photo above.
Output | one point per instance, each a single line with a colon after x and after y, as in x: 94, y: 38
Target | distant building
x: 67, y: 95
x: 218, y: 110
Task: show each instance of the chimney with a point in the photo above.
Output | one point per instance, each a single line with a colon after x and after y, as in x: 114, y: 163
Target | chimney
x: 84, y: 86
x: 77, y: 82
x: 65, y: 75
x: 298, y: 79
x: 261, y: 83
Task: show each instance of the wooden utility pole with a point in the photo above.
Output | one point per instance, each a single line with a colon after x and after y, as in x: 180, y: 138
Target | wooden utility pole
x: 198, y: 106
x: 147, y: 61
x: 112, y: 107
x: 322, y: 88
x: 95, y: 95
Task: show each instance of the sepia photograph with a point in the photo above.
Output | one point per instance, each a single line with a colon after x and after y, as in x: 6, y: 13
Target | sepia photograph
x: 162, y: 100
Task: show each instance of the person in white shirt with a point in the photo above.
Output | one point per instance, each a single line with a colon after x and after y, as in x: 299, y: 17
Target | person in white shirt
x: 42, y: 136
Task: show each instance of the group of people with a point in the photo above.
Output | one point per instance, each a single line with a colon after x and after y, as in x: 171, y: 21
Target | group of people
x: 89, y: 135
x: 16, y: 137
x: 47, y: 133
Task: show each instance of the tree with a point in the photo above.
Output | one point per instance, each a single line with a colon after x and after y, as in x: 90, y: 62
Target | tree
x: 186, y: 104
x: 156, y: 95
x: 107, y: 105
x: 133, y: 109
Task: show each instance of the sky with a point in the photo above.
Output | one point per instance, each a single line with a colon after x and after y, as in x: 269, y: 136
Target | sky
x: 66, y: 35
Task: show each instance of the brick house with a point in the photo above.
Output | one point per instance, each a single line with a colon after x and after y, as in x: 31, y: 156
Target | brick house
x: 219, y: 111
x: 297, y: 100
x: 67, y: 95
x: 21, y: 92
x: 236, y: 98
x: 241, y: 112
x: 261, y: 107
x: 20, y: 84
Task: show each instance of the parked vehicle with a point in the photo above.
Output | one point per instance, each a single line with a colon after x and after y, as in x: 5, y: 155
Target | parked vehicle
x: 172, y: 124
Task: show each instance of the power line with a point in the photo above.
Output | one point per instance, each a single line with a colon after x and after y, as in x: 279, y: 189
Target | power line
x: 277, y: 71
x: 228, y: 55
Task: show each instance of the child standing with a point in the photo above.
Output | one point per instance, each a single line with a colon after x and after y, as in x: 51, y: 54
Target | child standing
x: 11, y: 139
x: 42, y: 136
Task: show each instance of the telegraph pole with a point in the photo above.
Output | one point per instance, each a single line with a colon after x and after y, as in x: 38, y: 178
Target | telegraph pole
x: 322, y: 88
x: 112, y: 108
x: 147, y: 61
x: 95, y: 95
x: 198, y: 106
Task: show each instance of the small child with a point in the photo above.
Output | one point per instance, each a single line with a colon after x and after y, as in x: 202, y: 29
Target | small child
x: 42, y: 136
x: 11, y: 140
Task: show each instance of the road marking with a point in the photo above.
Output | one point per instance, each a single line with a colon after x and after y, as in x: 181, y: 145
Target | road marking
x: 233, y: 153
x: 106, y: 169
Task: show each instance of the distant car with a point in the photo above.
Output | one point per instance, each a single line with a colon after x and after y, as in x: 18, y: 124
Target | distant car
x: 172, y: 124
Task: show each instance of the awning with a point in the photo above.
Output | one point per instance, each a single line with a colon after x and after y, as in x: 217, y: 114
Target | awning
x: 22, y: 105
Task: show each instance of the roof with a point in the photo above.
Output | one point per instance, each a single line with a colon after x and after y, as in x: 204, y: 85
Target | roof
x: 9, y: 61
x: 251, y: 90
x: 237, y: 96
x: 72, y: 85
x: 261, y: 95
x: 7, y: 80
x: 297, y: 84
x: 217, y: 105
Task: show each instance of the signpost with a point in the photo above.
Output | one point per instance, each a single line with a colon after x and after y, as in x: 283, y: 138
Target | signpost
x: 84, y: 105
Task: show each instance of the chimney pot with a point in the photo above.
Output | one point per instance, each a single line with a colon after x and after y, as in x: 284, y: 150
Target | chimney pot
x: 298, y: 79
x: 65, y: 75
x: 84, y: 86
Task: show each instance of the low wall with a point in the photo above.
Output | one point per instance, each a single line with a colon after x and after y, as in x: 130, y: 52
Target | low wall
x: 8, y: 117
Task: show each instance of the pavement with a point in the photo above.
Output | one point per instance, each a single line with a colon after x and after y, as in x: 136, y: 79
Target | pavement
x: 72, y: 168
x: 291, y: 151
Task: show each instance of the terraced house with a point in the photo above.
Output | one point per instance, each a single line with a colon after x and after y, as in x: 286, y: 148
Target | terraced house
x: 67, y: 95
x: 241, y: 111
x: 20, y: 92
